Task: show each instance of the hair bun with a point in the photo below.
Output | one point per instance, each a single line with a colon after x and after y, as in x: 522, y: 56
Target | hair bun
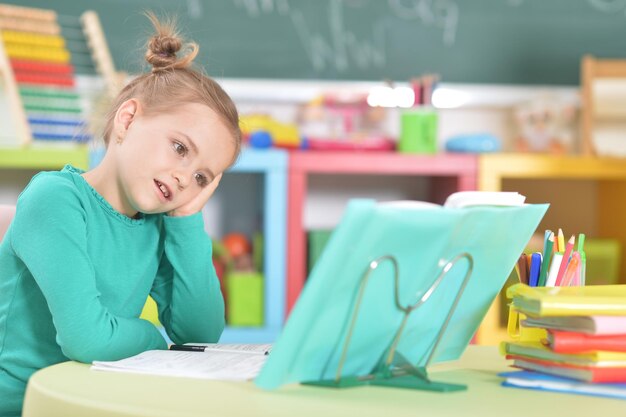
x: 164, y: 45
x: 162, y: 51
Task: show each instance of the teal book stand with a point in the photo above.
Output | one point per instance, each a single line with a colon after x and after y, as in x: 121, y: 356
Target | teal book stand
x: 393, y: 369
x: 397, y: 289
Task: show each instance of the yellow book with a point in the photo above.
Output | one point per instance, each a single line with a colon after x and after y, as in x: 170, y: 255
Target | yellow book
x: 609, y: 300
x: 536, y: 350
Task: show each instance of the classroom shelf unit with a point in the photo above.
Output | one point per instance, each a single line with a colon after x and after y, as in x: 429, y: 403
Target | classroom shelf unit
x: 272, y: 165
x: 448, y: 173
x: 586, y: 195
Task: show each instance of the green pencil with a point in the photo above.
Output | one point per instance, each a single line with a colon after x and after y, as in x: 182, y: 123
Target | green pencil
x: 581, y: 241
x: 545, y: 265
x: 583, y: 258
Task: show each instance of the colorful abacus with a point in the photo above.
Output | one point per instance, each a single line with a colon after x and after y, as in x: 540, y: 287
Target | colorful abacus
x: 39, y: 71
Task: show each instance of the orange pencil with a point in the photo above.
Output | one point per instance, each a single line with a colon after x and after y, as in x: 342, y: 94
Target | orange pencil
x: 564, y: 260
x: 572, y: 269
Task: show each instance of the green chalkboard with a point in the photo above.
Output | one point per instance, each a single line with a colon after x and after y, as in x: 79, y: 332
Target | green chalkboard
x: 465, y: 41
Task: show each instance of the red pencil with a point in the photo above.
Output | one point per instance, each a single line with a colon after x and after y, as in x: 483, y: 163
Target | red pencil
x: 564, y: 261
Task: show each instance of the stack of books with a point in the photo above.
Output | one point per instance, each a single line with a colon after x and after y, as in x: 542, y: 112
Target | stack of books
x: 571, y: 339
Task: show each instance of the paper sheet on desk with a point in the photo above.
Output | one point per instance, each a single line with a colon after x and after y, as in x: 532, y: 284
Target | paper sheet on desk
x: 231, y: 366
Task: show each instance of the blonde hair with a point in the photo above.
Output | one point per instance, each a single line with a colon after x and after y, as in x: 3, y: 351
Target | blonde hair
x: 173, y: 82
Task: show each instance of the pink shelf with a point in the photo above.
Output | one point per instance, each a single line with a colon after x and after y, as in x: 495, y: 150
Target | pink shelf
x: 450, y: 172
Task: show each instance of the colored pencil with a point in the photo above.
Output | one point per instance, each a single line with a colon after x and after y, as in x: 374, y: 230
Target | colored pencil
x: 545, y: 265
x: 561, y: 241
x: 565, y: 260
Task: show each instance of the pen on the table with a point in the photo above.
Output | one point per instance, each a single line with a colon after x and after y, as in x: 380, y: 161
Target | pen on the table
x: 189, y: 348
x: 201, y: 348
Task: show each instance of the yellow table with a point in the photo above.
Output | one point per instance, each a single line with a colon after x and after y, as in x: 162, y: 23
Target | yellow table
x: 72, y: 389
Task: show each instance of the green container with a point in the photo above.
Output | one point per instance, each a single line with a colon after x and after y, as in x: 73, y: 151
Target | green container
x: 418, y: 131
x: 245, y: 298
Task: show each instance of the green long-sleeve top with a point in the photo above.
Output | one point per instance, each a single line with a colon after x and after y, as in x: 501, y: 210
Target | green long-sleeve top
x: 75, y: 274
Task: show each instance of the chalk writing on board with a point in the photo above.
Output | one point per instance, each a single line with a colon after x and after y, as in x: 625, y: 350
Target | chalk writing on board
x: 609, y: 6
x: 340, y: 48
x: 442, y: 14
x: 334, y: 42
x: 256, y: 8
x: 194, y: 9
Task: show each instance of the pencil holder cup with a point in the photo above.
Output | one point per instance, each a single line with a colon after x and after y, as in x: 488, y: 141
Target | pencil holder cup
x: 245, y: 298
x: 418, y: 131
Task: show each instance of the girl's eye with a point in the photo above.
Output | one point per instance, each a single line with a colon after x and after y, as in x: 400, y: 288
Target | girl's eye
x: 180, y: 149
x: 201, y: 180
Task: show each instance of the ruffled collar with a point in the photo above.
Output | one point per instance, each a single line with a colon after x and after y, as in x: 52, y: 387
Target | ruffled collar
x: 102, y: 201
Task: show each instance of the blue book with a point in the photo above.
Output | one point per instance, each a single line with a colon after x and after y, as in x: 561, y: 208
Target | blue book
x: 545, y: 382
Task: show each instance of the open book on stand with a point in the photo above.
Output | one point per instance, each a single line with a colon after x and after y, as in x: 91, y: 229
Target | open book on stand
x: 399, y: 285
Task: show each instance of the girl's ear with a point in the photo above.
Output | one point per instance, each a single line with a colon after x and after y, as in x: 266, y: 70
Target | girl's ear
x: 124, y: 116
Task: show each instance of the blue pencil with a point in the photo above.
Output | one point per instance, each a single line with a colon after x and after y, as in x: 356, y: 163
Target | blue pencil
x: 535, y: 267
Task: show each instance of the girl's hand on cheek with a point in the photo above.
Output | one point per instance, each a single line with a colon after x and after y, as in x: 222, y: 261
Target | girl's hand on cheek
x: 199, y: 201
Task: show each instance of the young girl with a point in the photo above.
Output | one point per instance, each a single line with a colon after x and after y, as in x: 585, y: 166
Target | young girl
x: 86, y: 248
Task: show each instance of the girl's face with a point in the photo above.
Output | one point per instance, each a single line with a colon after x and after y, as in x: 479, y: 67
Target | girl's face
x: 165, y: 160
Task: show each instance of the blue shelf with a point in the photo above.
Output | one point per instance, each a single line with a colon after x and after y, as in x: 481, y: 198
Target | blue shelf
x: 272, y: 164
